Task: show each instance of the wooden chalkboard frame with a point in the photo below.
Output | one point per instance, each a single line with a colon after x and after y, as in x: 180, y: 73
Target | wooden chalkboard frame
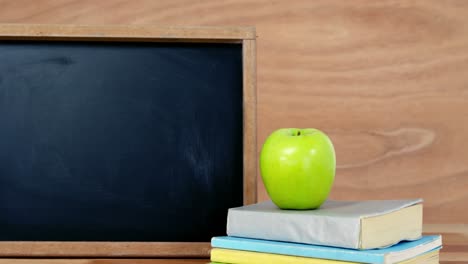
x: 244, y: 35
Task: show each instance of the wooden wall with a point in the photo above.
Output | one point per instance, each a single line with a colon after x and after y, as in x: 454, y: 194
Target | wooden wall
x: 388, y: 80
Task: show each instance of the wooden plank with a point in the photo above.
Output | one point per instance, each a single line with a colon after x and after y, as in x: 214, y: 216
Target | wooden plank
x: 107, y: 249
x: 124, y: 33
x: 250, y: 120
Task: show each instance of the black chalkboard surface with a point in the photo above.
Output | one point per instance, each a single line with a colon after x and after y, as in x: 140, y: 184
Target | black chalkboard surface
x: 110, y: 141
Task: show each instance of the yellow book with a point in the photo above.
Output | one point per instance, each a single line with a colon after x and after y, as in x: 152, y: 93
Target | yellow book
x: 219, y: 255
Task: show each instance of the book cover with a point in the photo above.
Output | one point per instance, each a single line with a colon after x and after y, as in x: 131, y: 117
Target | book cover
x: 246, y: 257
x: 397, y: 253
x: 219, y: 255
x: 335, y: 223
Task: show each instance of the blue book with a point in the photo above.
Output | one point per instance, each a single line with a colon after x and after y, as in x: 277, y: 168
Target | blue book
x: 397, y: 253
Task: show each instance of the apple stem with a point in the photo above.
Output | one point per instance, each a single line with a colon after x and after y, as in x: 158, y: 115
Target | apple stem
x: 299, y: 133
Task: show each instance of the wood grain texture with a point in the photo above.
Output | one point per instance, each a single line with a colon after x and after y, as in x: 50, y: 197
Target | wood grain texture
x: 386, y: 79
x: 107, y: 249
x: 125, y: 33
x: 250, y: 121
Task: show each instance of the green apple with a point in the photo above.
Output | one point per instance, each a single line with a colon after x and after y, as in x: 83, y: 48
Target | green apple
x: 298, y: 167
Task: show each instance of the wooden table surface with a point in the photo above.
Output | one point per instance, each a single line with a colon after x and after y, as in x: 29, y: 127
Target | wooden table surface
x: 103, y: 261
x: 124, y: 261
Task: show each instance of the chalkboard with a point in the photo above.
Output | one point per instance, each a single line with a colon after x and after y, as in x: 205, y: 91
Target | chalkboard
x: 119, y: 141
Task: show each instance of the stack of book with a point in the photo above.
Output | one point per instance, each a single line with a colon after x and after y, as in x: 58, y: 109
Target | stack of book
x: 338, y: 232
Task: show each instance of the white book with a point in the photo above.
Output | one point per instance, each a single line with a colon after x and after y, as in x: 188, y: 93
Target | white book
x: 346, y: 224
